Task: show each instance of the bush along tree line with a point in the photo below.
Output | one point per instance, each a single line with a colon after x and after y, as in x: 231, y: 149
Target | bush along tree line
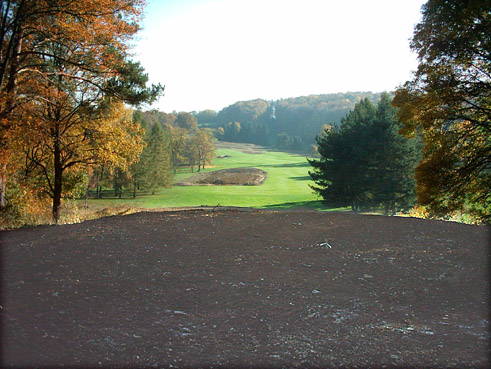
x: 66, y: 81
x: 364, y: 163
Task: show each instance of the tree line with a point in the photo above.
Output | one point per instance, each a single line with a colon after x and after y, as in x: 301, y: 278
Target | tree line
x: 168, y: 142
x: 66, y: 84
x: 67, y: 81
x: 287, y: 124
x: 188, y: 144
x: 434, y: 143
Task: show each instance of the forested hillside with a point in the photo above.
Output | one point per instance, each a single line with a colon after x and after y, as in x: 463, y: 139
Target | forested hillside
x: 291, y: 123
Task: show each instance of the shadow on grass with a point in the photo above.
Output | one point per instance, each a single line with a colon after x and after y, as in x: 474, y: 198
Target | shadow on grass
x: 126, y: 195
x: 301, y: 178
x: 290, y: 165
x: 306, y: 205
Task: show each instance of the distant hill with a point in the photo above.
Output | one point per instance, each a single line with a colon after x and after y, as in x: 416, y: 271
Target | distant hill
x: 289, y: 123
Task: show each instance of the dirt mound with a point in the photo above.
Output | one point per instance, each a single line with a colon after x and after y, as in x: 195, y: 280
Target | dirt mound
x: 227, y: 177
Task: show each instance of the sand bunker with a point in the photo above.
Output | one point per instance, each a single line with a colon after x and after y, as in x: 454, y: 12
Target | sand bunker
x: 227, y: 177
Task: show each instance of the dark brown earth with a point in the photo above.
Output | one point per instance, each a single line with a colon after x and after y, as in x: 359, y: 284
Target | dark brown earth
x: 231, y: 288
x: 223, y: 177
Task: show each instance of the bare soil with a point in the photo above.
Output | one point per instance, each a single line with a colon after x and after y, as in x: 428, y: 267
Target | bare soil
x: 230, y: 288
x: 225, y: 177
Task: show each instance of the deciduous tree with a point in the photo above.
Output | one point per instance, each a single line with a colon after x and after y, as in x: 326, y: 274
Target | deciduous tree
x: 63, y: 136
x: 178, y: 139
x: 93, y: 36
x: 186, y: 121
x: 448, y: 102
x: 200, y: 148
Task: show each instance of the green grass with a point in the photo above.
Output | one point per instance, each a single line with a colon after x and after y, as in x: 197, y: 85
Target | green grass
x: 286, y: 185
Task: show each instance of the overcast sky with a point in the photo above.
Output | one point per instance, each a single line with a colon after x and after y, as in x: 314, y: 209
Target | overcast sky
x: 211, y: 53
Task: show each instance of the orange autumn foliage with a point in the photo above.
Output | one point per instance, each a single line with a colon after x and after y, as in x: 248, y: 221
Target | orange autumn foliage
x: 93, y: 36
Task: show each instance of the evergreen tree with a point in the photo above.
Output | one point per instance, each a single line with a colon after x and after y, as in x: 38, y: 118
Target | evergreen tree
x: 330, y: 173
x: 155, y: 161
x: 365, y: 162
x: 357, y: 151
x: 393, y: 160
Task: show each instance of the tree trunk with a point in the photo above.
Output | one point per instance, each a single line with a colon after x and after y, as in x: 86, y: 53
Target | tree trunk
x: 356, y: 205
x: 58, y: 184
x: 3, y: 185
x: 8, y: 103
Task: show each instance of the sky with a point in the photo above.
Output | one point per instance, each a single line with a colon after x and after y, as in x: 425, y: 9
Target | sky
x: 210, y: 54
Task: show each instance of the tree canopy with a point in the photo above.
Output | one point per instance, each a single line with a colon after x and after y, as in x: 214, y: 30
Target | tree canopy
x: 186, y: 142
x: 448, y: 102
x: 64, y: 73
x: 287, y: 123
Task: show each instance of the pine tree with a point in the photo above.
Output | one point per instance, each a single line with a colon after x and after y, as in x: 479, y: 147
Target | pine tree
x: 329, y: 172
x: 393, y: 160
x: 365, y: 162
x: 341, y: 174
x: 155, y: 162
